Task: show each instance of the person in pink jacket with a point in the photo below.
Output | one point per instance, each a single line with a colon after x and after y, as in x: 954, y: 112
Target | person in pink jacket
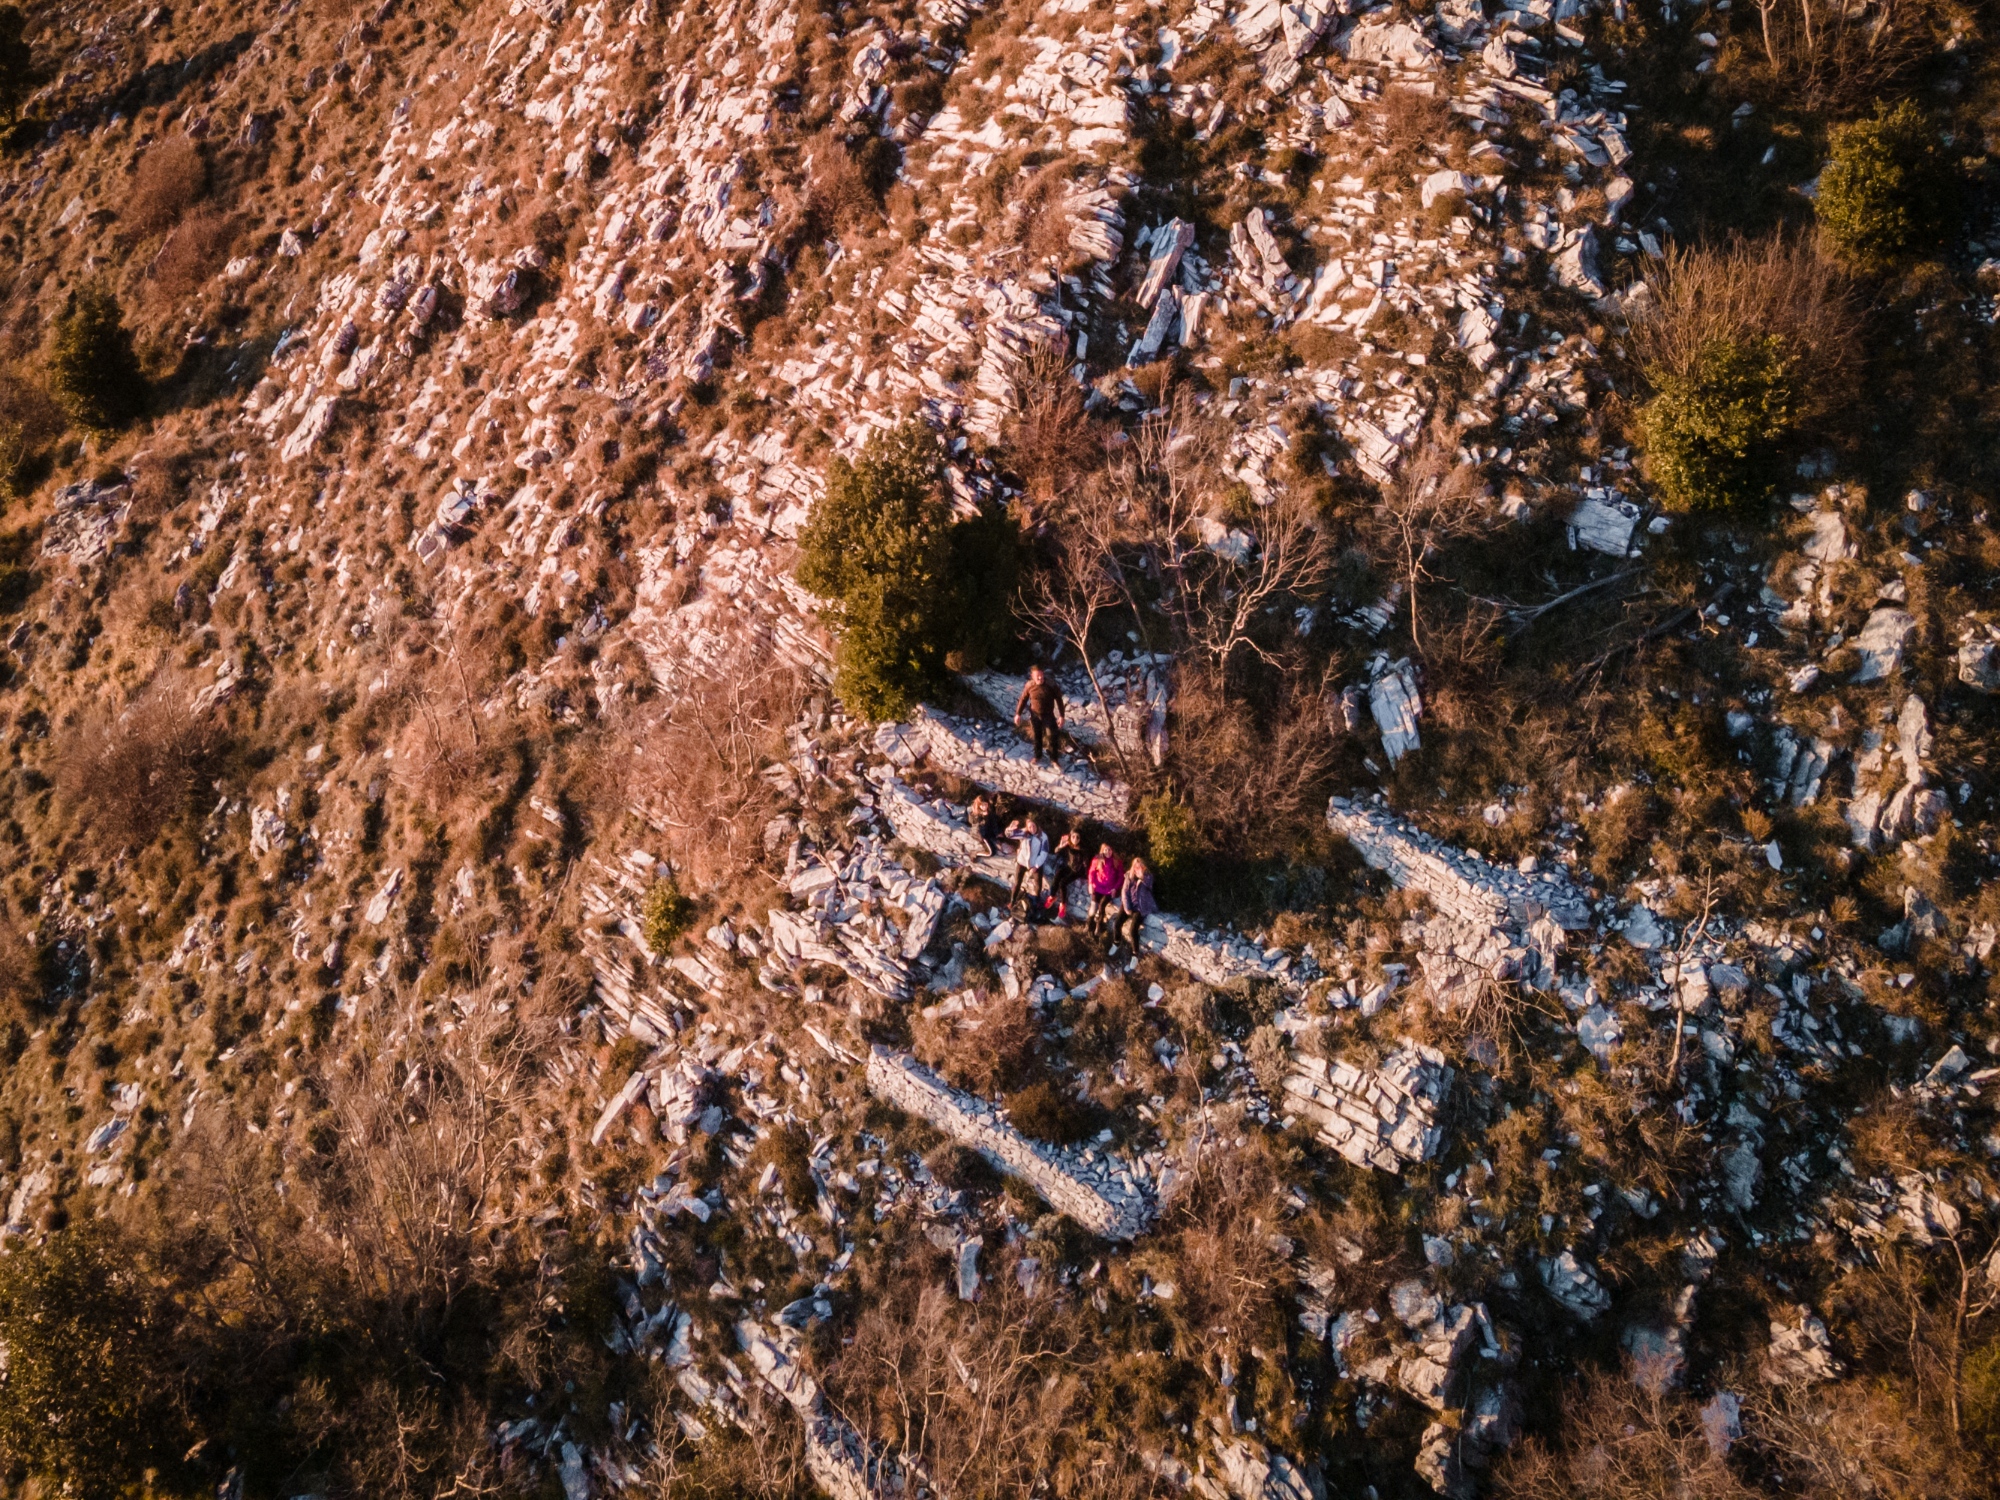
x: 1107, y: 879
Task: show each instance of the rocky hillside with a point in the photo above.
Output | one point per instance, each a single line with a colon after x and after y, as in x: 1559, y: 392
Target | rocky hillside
x: 526, y: 528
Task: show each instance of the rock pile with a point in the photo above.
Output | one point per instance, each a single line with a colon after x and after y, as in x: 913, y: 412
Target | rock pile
x: 1379, y: 1118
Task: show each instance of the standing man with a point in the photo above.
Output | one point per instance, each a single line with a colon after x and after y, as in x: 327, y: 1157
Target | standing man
x: 1045, y: 706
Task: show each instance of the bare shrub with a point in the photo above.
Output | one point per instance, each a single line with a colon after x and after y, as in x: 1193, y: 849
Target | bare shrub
x: 29, y: 422
x: 1039, y: 218
x: 1049, y: 440
x: 695, y: 774
x: 190, y: 255
x: 987, y: 1050
x: 1826, y: 55
x: 129, y: 773
x: 1748, y: 290
x: 1254, y: 773
x: 847, y: 182
x: 1007, y: 1396
x: 1431, y: 500
x: 171, y: 178
x: 1622, y: 1440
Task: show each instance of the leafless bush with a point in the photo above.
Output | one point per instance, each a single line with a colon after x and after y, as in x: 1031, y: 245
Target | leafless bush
x: 129, y: 773
x: 1038, y: 217
x: 1430, y: 501
x: 696, y: 770
x: 1219, y: 604
x: 1838, y: 55
x: 846, y: 183
x: 1049, y: 440
x: 429, y: 1153
x: 190, y: 255
x: 1752, y: 289
x: 999, y: 1398
x: 986, y: 1051
x: 171, y: 177
x: 29, y: 422
x: 1254, y: 773
x: 1621, y: 1440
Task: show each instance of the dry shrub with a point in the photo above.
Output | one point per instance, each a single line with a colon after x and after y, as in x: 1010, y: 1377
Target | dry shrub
x: 1843, y: 57
x: 696, y: 770
x: 1860, y: 1437
x: 1039, y: 217
x: 1215, y: 1246
x: 1050, y: 441
x: 1621, y: 1441
x: 29, y: 422
x: 987, y: 1050
x: 194, y: 252
x: 171, y: 178
x: 1255, y: 775
x: 847, y: 181
x: 1003, y: 1397
x: 129, y: 773
x: 1749, y: 290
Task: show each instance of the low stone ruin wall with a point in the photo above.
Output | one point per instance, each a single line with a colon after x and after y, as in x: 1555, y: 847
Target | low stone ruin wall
x: 995, y: 757
x: 1099, y: 1193
x: 1460, y: 885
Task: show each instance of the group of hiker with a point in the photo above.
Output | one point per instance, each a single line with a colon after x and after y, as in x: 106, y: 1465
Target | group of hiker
x: 1121, y: 895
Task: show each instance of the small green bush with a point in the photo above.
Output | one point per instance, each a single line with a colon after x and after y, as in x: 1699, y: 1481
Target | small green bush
x: 1888, y: 191
x: 906, y: 586
x: 668, y: 915
x: 92, y: 371
x: 1715, y: 436
x: 1172, y: 836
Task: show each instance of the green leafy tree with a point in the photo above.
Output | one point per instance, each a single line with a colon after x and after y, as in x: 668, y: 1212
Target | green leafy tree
x: 1888, y: 192
x: 1715, y: 435
x: 87, y: 1404
x: 906, y: 586
x: 93, y: 373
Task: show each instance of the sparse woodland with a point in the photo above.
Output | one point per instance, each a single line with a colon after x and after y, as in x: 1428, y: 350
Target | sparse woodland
x: 521, y: 530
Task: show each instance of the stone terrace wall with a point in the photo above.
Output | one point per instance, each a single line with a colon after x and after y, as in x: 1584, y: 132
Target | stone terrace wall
x: 997, y: 758
x: 1375, y: 1119
x: 1096, y: 1191
x: 1460, y: 885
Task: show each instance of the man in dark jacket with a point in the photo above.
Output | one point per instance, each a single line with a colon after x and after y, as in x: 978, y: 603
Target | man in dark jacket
x: 1045, y: 707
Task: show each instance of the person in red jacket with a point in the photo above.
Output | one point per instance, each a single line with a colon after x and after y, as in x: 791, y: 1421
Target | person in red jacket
x: 1107, y: 879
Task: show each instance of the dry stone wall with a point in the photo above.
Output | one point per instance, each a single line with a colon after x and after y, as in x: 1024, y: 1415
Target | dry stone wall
x: 1092, y: 1187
